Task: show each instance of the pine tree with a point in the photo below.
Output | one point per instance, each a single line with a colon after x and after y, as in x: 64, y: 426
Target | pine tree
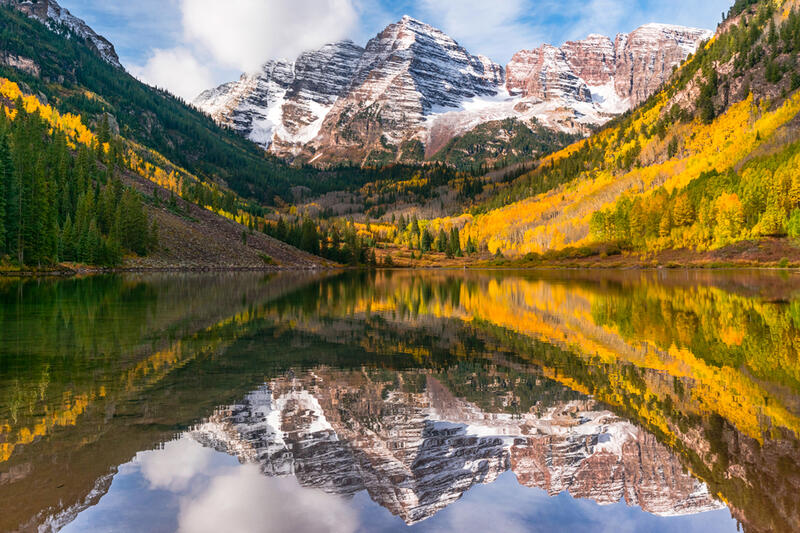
x: 441, y: 241
x: 134, y: 229
x: 455, y: 243
x: 402, y: 225
x: 93, y: 244
x: 50, y: 225
x: 104, y: 131
x: 310, y: 239
x: 425, y: 241
x: 67, y: 250
x: 280, y: 229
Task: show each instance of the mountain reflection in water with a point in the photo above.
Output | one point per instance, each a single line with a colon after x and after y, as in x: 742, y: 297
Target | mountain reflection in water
x: 399, y: 400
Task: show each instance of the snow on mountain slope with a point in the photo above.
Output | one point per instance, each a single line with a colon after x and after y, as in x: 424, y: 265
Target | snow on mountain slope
x: 615, y: 76
x: 406, y: 73
x: 413, y: 85
x: 285, y: 103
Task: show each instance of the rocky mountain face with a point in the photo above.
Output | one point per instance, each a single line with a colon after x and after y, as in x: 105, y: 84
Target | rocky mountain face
x: 616, y: 75
x: 413, y: 89
x: 407, y: 73
x: 54, y: 16
x: 415, y: 453
x: 283, y: 105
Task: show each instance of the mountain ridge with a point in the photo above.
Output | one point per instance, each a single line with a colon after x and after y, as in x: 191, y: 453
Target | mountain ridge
x: 413, y: 89
x: 50, y: 13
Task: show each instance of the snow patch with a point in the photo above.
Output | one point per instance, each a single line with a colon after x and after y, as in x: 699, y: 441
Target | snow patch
x: 607, y: 100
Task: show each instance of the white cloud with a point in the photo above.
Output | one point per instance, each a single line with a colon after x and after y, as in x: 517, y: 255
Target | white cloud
x: 222, y: 39
x: 245, y: 500
x: 177, y: 70
x: 175, y: 466
x: 245, y: 33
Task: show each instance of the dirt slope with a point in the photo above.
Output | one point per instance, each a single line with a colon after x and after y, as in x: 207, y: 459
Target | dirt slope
x: 194, y: 238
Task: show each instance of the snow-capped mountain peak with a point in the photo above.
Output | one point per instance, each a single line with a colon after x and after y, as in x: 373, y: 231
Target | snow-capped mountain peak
x: 412, y: 88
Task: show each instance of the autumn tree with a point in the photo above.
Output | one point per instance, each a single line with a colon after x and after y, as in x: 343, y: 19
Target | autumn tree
x: 730, y: 218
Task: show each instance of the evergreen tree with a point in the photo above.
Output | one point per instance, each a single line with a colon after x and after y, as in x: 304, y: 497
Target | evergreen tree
x: 455, y: 243
x: 442, y: 243
x: 310, y: 239
x: 280, y: 229
x: 67, y: 251
x: 104, y: 131
x: 425, y: 241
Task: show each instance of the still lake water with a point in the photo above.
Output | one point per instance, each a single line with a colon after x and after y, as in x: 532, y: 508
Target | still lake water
x: 401, y: 401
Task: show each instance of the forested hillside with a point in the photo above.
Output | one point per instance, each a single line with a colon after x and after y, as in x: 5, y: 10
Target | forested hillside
x: 60, y: 197
x: 99, y: 169
x: 76, y: 80
x: 502, y: 143
x: 70, y: 195
x: 710, y: 160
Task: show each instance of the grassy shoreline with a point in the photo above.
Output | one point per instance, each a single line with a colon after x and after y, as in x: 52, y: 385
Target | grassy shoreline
x: 765, y: 254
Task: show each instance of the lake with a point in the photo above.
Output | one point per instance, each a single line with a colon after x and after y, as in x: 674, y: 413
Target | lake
x: 619, y: 401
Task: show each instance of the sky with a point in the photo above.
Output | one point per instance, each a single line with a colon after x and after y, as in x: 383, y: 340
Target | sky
x: 188, y: 46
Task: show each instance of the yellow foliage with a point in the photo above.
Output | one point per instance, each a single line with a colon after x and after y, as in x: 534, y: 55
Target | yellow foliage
x: 561, y: 217
x: 70, y: 124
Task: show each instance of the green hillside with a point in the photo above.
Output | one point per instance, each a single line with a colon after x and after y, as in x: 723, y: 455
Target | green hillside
x: 75, y: 79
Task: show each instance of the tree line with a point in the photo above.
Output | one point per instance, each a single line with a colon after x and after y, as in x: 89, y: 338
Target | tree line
x: 422, y: 237
x: 339, y: 241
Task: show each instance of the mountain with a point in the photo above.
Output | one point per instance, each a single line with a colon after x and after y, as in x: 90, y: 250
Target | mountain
x: 707, y: 166
x: 80, y: 77
x: 614, y: 75
x: 417, y: 453
x: 285, y: 102
x: 413, y: 89
x: 407, y: 73
x: 57, y: 18
x: 92, y: 149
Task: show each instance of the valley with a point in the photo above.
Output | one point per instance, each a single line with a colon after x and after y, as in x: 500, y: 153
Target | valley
x: 314, y: 266
x: 665, y: 146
